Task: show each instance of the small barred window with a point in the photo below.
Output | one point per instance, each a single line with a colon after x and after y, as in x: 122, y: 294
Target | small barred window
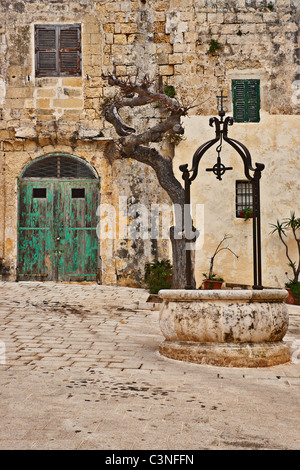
x: 244, y: 201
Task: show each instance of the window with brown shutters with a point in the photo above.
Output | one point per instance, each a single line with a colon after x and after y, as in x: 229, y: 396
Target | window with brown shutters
x: 57, y: 50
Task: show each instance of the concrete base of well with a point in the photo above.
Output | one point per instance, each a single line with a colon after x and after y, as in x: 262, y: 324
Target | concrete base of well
x: 238, y: 328
x: 227, y: 354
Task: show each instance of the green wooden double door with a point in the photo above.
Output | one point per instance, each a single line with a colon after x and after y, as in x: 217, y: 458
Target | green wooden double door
x: 57, y: 230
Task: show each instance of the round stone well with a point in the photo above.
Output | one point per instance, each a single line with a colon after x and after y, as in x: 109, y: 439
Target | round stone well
x: 238, y: 328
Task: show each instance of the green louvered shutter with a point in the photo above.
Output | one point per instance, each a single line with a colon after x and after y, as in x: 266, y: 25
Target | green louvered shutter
x: 246, y: 100
x: 253, y: 100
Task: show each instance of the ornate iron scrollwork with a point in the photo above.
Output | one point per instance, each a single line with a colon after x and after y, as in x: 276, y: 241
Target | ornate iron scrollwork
x: 219, y: 169
x: 221, y: 131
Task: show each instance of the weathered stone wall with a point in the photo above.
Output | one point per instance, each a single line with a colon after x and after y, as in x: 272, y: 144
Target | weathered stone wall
x: 50, y: 108
x: 172, y: 39
x: 253, y: 39
x: 61, y: 114
x: 122, y: 259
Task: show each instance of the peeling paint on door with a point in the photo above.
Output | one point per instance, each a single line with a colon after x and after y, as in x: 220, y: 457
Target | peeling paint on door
x: 57, y: 230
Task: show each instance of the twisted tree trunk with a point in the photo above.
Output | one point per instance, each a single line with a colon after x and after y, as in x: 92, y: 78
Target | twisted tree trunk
x: 130, y: 144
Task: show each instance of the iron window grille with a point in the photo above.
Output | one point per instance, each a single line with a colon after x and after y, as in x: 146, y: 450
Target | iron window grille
x: 58, y: 166
x: 57, y: 50
x: 244, y: 197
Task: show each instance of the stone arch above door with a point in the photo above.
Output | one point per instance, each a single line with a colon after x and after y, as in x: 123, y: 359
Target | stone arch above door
x: 58, y: 165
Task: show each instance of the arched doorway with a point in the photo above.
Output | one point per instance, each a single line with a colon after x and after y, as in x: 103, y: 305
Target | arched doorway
x: 57, y: 220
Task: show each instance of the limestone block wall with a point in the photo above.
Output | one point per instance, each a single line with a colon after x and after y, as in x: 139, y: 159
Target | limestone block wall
x: 41, y: 107
x: 121, y: 186
x: 39, y: 116
x: 252, y: 39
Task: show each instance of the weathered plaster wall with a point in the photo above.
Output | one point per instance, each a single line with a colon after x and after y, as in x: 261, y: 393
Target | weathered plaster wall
x: 275, y: 142
x: 170, y: 38
x: 266, y: 48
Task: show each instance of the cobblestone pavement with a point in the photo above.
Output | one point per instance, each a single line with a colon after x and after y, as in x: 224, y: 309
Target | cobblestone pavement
x: 80, y: 369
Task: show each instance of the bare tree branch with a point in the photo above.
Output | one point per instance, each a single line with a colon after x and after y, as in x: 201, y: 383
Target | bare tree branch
x: 145, y: 95
x: 112, y: 115
x: 132, y: 95
x: 155, y: 133
x: 218, y: 249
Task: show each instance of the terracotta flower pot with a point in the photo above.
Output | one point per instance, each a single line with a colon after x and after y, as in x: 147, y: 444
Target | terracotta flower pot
x: 243, y: 214
x: 291, y: 299
x: 210, y: 284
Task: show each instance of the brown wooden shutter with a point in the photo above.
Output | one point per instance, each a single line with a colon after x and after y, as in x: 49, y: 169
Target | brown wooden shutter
x: 46, y: 63
x: 58, y: 50
x: 70, y: 50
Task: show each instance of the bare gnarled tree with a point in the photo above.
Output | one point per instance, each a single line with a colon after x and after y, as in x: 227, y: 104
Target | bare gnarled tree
x: 132, y: 144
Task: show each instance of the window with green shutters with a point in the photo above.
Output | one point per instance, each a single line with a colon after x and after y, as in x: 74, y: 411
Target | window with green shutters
x: 246, y: 100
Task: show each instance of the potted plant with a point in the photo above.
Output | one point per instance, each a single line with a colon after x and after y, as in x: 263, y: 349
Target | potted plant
x: 293, y: 288
x: 293, y: 285
x: 212, y: 281
x: 246, y: 213
x: 158, y: 275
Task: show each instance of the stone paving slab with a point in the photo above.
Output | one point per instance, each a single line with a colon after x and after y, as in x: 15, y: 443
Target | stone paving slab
x: 80, y: 369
